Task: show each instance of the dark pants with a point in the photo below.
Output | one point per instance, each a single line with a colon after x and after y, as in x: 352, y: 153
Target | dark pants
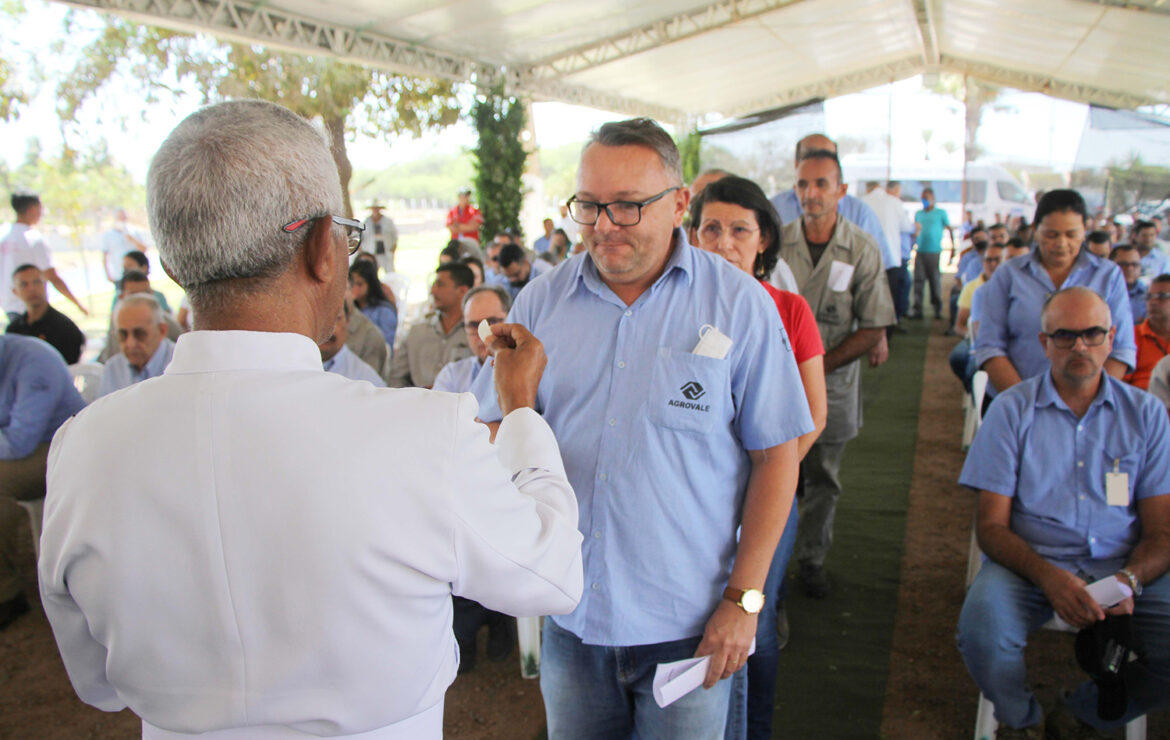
x: 899, y: 278
x: 926, y: 270
x: 963, y: 363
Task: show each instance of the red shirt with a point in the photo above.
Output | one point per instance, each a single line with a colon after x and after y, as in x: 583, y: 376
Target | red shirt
x: 1150, y: 349
x: 798, y: 321
x: 458, y: 215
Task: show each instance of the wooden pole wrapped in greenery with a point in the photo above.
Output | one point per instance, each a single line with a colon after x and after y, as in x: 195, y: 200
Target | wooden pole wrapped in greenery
x: 499, y: 159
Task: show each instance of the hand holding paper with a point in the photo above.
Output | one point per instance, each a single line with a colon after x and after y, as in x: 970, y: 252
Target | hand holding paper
x: 673, y: 681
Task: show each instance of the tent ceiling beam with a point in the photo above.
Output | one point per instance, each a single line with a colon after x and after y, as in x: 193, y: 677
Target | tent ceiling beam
x: 927, y: 32
x: 1043, y: 83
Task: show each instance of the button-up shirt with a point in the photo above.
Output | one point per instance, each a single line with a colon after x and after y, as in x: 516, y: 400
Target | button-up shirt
x: 23, y: 245
x: 282, y: 561
x: 457, y: 377
x: 1033, y: 448
x: 852, y: 208
x: 1155, y: 263
x: 420, y: 357
x: 346, y: 364
x: 36, y: 395
x: 118, y: 373
x: 1137, y: 300
x: 864, y: 304
x: 1013, y: 298
x: 655, y: 438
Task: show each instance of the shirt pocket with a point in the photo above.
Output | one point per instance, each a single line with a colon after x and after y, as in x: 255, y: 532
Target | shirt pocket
x: 687, y: 392
x: 1128, y: 462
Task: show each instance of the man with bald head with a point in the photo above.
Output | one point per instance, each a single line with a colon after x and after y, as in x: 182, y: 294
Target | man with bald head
x: 1072, y: 467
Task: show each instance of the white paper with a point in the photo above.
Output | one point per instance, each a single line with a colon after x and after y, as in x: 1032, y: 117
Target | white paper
x: 673, y: 681
x: 1106, y: 592
x: 840, y: 273
x: 1117, y: 490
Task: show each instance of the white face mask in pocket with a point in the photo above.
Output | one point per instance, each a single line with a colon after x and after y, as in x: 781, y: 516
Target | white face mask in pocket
x: 712, y: 343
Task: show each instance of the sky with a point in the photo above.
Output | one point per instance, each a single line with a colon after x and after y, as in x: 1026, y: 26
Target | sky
x: 1026, y: 128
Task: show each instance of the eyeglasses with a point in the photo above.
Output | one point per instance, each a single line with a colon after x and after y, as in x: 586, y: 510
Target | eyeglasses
x: 1128, y: 264
x: 619, y: 212
x: 1094, y: 336
x: 1158, y: 296
x: 712, y: 231
x: 354, y: 237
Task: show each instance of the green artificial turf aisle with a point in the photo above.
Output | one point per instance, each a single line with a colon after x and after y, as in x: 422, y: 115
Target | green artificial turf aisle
x: 833, y: 673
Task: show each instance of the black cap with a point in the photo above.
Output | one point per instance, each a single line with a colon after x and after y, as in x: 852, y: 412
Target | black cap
x: 1104, y: 651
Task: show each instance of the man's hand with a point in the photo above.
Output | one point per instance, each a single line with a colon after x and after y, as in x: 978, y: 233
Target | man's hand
x: 880, y: 352
x: 727, y: 638
x: 1070, y: 600
x: 519, y: 361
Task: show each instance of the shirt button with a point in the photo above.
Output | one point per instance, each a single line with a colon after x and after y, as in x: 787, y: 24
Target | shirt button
x: 1082, y: 497
x: 603, y: 476
x: 596, y: 586
x: 629, y: 313
x: 597, y: 535
x: 1092, y: 539
x: 612, y: 422
x: 1080, y: 463
x: 621, y: 364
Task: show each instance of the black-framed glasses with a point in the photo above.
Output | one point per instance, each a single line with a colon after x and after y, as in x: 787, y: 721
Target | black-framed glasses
x: 1094, y: 336
x: 619, y: 212
x: 353, y: 229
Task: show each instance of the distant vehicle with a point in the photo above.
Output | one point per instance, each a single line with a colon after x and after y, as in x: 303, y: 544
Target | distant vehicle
x: 993, y: 194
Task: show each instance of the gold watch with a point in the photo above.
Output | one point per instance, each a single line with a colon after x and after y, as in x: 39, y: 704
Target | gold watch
x: 751, y: 600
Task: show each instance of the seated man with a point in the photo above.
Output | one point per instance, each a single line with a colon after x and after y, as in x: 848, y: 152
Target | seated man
x: 1153, y: 334
x: 962, y: 359
x: 1130, y: 261
x: 1052, y: 517
x: 1099, y: 243
x: 36, y: 397
x: 134, y: 262
x: 432, y: 343
x: 518, y: 269
x: 337, y: 358
x: 142, y: 337
x: 137, y: 283
x: 41, y: 320
x: 483, y: 303
x: 366, y: 341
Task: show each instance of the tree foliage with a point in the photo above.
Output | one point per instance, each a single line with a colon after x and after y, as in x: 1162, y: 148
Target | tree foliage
x: 689, y: 147
x: 347, y: 98
x: 499, y: 159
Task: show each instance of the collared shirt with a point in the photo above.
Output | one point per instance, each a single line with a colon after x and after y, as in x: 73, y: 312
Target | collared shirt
x: 366, y: 341
x: 420, y: 357
x: 23, y: 245
x: 36, y: 395
x: 385, y: 317
x: 1033, y: 448
x: 55, y: 328
x: 457, y: 377
x: 892, y: 216
x: 1150, y: 349
x: 967, y: 294
x: 1010, y: 321
x: 654, y: 437
x: 1137, y: 299
x: 119, y: 373
x: 852, y: 208
x: 1155, y: 263
x: 349, y: 365
x: 970, y: 265
x: 864, y: 304
x: 247, y: 574
x: 932, y: 223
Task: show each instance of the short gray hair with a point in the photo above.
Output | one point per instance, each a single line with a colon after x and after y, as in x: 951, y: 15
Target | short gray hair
x: 222, y: 185
x: 140, y: 299
x: 501, y: 293
x: 641, y: 132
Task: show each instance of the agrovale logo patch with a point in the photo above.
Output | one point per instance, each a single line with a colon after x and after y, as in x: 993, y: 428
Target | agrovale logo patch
x: 693, y: 392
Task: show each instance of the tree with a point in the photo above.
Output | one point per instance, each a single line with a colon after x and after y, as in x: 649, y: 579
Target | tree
x: 346, y: 97
x: 499, y: 159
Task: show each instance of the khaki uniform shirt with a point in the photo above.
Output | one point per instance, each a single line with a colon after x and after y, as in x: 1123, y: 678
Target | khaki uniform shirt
x: 426, y: 349
x: 864, y: 304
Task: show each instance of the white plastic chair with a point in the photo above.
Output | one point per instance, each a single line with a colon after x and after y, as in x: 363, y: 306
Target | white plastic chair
x: 36, y: 511
x: 87, y: 378
x: 973, y: 408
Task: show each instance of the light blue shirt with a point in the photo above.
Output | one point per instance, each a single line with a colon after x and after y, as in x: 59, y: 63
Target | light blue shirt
x: 1137, y: 300
x: 852, y: 209
x: 36, y: 394
x: 457, y: 377
x: 970, y: 265
x: 907, y: 245
x: 119, y: 373
x: 349, y: 365
x: 655, y: 438
x: 385, y: 318
x: 1033, y: 448
x: 541, y: 245
x: 1155, y: 263
x: 1010, y: 322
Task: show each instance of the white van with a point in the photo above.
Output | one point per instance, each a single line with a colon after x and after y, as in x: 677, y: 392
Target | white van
x: 993, y: 195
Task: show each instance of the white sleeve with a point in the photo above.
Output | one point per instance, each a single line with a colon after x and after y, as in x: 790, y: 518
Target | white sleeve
x: 1160, y: 381
x: 517, y: 546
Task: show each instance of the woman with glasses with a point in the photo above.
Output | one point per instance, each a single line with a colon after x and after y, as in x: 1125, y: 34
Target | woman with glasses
x: 371, y: 300
x: 733, y: 218
x: 1006, y: 345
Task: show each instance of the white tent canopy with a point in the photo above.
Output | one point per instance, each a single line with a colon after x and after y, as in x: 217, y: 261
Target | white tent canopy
x: 679, y: 59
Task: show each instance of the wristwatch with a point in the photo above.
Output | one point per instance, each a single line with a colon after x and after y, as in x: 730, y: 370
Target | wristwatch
x: 751, y: 600
x: 1134, y: 583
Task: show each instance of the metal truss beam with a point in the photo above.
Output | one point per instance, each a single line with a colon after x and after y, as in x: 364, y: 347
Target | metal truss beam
x: 256, y: 24
x: 1048, y: 84
x: 1141, y: 6
x: 652, y: 36
x: 578, y: 95
x: 863, y: 79
x: 927, y: 32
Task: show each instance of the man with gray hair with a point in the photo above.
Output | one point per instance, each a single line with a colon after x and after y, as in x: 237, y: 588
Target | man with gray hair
x: 141, y: 332
x: 673, y: 391
x: 256, y: 572
x: 488, y: 303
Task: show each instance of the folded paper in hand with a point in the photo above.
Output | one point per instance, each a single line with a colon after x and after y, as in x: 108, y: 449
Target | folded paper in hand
x: 673, y: 681
x: 1107, y: 592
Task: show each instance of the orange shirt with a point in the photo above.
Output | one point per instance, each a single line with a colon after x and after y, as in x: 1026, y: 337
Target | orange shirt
x: 1150, y: 349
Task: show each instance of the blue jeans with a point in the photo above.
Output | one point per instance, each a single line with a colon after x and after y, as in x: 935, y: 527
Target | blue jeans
x: 595, y: 691
x: 963, y: 363
x: 1002, y: 608
x: 753, y: 692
